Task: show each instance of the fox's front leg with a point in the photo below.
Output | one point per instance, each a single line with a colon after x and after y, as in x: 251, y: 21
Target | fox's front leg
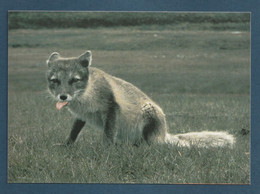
x: 77, y: 126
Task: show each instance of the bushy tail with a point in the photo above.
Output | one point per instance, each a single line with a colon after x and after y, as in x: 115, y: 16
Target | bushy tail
x: 201, y: 139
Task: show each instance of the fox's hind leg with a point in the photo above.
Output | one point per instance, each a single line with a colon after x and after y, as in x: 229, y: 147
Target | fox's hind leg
x: 154, y: 129
x: 109, y: 124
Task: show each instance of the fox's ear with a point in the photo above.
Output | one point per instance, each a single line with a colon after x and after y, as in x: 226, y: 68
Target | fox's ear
x: 53, y: 57
x: 85, y: 59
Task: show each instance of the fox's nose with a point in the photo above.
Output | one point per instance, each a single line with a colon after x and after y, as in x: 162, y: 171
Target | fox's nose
x: 63, y: 97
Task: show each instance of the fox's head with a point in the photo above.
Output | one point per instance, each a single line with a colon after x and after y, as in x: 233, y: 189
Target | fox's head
x: 67, y: 77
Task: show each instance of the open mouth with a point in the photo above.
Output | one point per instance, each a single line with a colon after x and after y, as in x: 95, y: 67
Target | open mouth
x: 59, y: 105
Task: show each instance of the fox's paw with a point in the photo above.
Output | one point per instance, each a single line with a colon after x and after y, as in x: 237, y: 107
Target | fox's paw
x: 148, y: 110
x: 61, y: 145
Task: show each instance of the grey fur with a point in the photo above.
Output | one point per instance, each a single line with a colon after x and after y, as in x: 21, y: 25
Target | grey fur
x: 115, y: 106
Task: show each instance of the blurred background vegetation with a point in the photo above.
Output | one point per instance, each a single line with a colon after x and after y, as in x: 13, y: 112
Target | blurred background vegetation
x: 36, y: 20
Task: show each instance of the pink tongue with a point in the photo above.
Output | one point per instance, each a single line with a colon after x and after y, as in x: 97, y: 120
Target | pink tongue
x: 59, y: 105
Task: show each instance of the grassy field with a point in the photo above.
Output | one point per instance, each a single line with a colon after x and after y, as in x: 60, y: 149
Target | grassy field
x: 36, y: 20
x: 201, y: 79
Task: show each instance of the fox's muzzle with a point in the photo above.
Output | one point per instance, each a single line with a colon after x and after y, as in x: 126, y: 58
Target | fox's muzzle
x: 64, y: 97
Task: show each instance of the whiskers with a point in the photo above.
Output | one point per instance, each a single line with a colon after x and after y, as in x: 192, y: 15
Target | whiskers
x: 48, y: 95
x: 78, y: 92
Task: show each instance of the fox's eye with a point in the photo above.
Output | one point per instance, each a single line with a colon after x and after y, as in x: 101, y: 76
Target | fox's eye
x: 75, y: 79
x: 55, y: 81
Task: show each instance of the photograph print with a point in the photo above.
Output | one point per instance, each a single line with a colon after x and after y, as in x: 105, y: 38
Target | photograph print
x: 129, y: 97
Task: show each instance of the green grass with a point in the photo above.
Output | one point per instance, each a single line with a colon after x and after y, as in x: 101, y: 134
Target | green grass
x: 36, y: 20
x: 35, y: 126
x: 201, y: 79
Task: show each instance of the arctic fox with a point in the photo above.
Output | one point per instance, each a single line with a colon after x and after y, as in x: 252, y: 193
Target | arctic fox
x: 115, y: 106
